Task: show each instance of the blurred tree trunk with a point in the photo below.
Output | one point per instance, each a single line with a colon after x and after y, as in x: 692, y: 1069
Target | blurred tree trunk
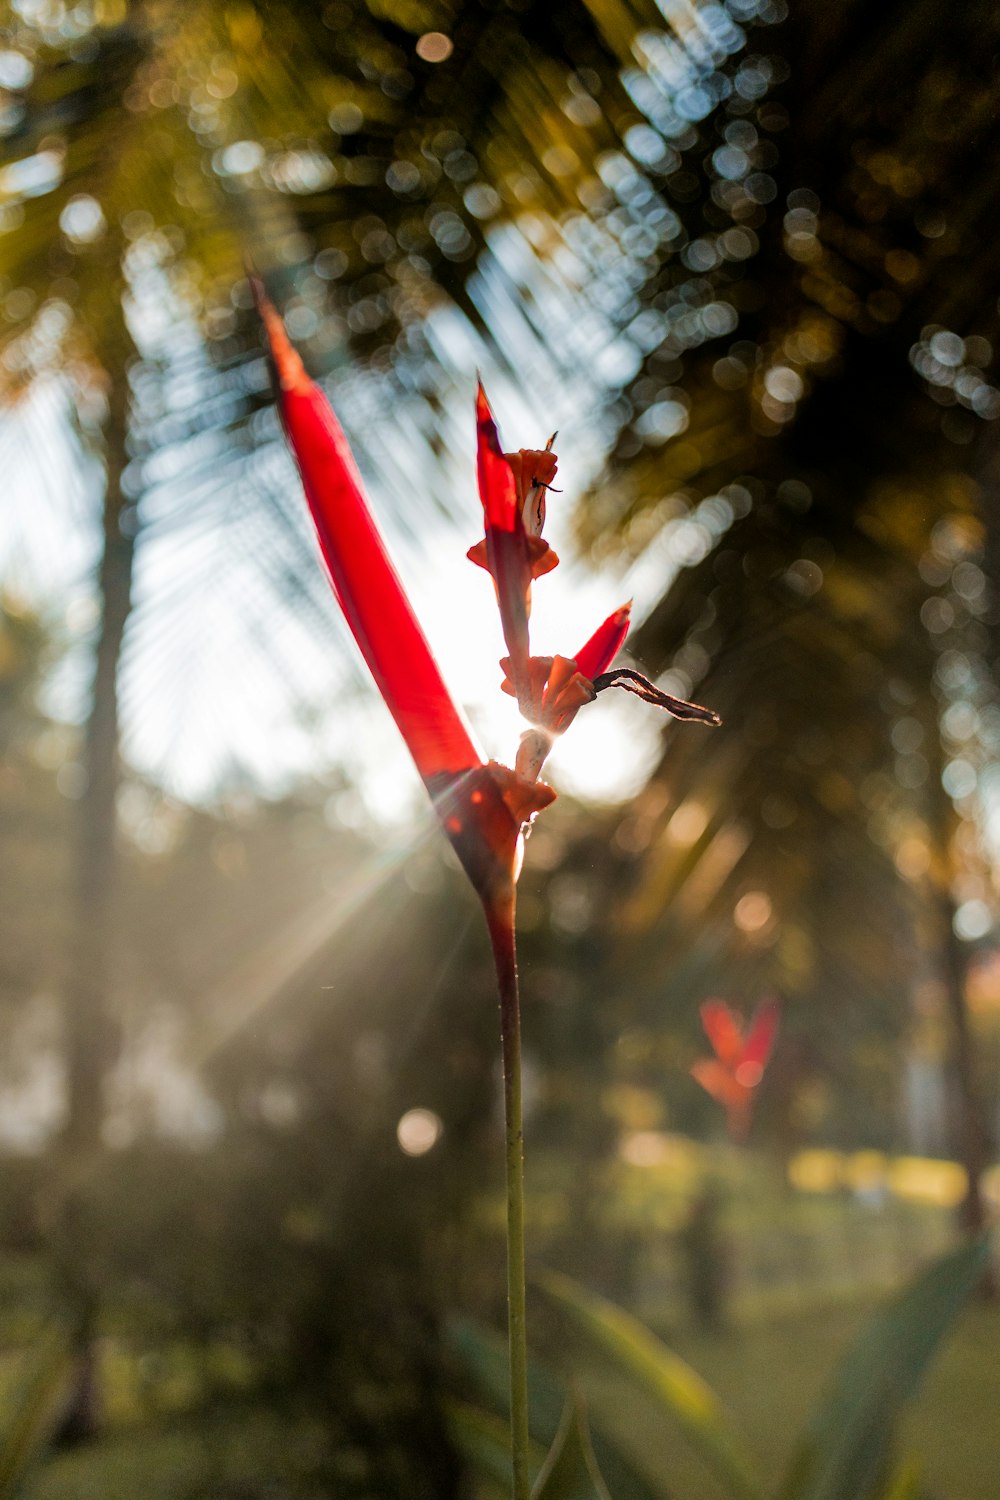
x: 970, y: 1126
x: 91, y: 1030
x: 973, y: 1143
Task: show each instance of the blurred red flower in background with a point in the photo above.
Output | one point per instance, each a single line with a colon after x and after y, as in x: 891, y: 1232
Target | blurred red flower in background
x: 733, y: 1074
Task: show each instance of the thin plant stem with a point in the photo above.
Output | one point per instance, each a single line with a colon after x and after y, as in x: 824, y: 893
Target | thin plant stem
x: 500, y: 919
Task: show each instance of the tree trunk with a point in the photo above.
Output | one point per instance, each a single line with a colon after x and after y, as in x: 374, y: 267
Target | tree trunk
x: 974, y: 1145
x: 970, y: 1126
x: 90, y: 1028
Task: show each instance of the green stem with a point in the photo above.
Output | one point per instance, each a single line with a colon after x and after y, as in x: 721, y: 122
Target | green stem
x: 500, y: 918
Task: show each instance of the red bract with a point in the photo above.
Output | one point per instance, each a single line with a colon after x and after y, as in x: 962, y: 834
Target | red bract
x: 482, y: 806
x: 364, y: 579
x: 497, y: 486
x: 599, y: 652
x: 740, y: 1058
x: 512, y: 488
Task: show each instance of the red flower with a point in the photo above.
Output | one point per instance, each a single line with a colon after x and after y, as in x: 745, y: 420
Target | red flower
x: 740, y: 1058
x: 482, y: 806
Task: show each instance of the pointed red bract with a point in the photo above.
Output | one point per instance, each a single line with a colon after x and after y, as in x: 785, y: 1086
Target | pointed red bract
x: 497, y: 486
x: 604, y: 645
x: 364, y: 579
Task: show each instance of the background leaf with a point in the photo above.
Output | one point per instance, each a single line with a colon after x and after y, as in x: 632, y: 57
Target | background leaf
x: 845, y: 1449
x: 32, y: 1413
x: 484, y: 1356
x: 570, y: 1471
x: 906, y: 1482
x: 484, y: 1442
x: 679, y: 1391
